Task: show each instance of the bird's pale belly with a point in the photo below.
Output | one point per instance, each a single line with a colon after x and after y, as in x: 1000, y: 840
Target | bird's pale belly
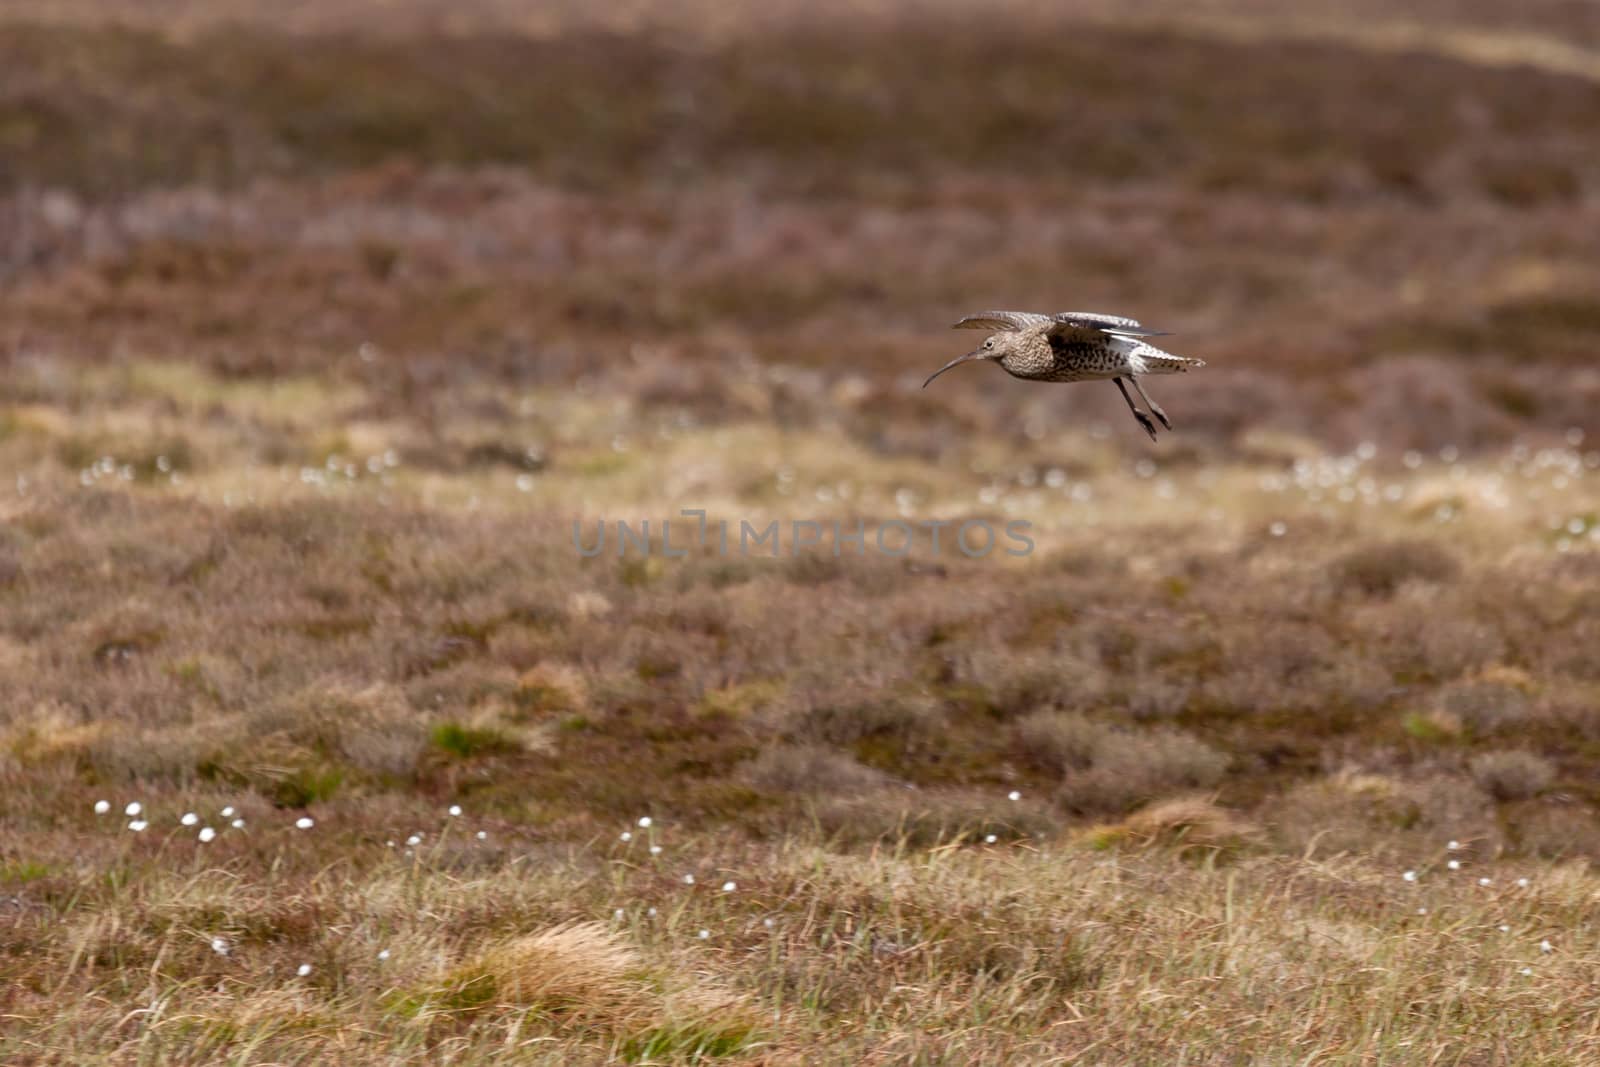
x: 1085, y: 373
x: 1096, y: 364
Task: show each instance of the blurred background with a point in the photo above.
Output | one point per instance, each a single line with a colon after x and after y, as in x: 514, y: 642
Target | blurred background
x: 1374, y: 221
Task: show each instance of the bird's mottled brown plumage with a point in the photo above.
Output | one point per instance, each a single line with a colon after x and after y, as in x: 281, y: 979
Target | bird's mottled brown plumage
x: 1074, y: 346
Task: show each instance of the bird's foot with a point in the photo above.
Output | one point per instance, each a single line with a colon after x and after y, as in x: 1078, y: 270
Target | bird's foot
x: 1149, y: 427
x: 1155, y: 409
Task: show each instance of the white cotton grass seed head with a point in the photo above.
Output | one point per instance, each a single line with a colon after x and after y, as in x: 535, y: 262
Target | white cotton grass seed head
x: 1522, y: 883
x: 227, y: 812
x: 705, y: 935
x: 1526, y: 971
x: 1410, y: 876
x: 455, y: 811
x: 651, y: 912
x: 989, y: 839
x: 619, y: 915
x: 1485, y: 881
x: 237, y: 824
x: 304, y: 822
x: 207, y: 834
x: 414, y: 840
x: 483, y: 835
x: 220, y: 946
x: 1014, y: 795
x: 1546, y: 946
x: 626, y: 836
x: 655, y: 850
x: 729, y: 887
x: 133, y: 809
x: 189, y: 818
x: 102, y: 806
x: 138, y: 825
x: 303, y: 970
x: 644, y: 822
x: 383, y: 954
x: 1453, y: 845
x: 1454, y: 865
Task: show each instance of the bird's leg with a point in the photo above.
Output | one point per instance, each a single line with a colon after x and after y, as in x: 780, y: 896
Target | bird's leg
x: 1155, y: 409
x: 1144, y: 420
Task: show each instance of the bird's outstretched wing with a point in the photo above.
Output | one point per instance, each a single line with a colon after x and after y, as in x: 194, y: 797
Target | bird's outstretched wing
x: 1063, y: 320
x: 1001, y: 320
x: 1071, y: 333
x: 1106, y: 323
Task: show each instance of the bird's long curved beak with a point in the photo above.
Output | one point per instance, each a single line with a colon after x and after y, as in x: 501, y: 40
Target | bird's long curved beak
x: 977, y: 353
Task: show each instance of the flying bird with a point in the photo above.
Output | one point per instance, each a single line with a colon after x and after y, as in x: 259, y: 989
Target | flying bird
x: 1074, y: 346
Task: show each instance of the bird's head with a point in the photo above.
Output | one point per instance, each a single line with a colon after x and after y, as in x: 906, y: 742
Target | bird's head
x: 996, y: 346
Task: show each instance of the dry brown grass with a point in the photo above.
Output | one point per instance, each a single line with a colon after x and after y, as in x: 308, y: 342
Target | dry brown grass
x: 370, y: 651
x: 1512, y: 775
x: 809, y: 769
x: 1378, y: 570
x: 587, y: 977
x: 1104, y: 768
x: 1184, y: 822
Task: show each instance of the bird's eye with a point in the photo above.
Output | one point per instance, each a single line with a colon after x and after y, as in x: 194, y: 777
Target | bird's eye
x: 989, y: 343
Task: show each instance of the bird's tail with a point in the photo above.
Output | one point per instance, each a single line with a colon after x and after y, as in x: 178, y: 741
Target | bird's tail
x: 1156, y: 361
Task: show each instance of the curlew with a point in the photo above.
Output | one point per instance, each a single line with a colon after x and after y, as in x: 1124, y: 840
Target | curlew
x: 1074, y: 346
